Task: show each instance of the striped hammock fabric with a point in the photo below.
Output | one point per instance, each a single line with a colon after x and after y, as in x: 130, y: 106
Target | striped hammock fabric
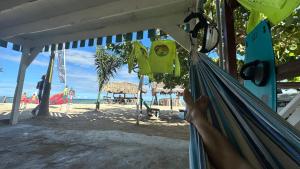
x: 258, y: 133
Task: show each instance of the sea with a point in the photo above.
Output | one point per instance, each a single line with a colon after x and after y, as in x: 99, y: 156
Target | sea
x: 75, y: 101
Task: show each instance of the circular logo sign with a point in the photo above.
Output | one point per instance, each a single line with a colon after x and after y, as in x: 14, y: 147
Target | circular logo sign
x: 161, y: 50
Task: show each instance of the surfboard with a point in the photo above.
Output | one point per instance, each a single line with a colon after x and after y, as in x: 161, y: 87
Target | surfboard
x: 259, y: 47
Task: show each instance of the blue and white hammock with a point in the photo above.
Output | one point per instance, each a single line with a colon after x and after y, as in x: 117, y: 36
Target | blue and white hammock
x: 258, y: 133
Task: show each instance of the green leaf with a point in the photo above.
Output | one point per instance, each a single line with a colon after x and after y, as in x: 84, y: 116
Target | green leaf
x: 293, y: 47
x: 292, y: 54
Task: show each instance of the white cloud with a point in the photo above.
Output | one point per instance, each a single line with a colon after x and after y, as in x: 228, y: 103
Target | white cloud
x: 83, y: 81
x: 13, y: 58
x: 80, y: 58
x: 123, y: 75
x: 8, y: 88
x: 16, y: 58
x: 40, y: 63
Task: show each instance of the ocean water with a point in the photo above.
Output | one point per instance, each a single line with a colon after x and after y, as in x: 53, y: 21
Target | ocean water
x: 75, y: 101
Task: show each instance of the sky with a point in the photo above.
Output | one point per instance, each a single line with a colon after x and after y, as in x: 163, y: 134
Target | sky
x: 81, y: 72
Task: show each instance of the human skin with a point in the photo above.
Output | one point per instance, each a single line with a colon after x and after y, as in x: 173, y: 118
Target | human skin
x: 219, y: 150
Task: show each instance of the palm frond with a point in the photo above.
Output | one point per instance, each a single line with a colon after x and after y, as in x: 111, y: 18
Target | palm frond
x: 107, y: 66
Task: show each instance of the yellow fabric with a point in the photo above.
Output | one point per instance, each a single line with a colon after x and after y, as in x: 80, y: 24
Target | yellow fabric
x: 254, y: 19
x: 139, y: 53
x: 163, y: 57
x: 274, y: 10
x: 66, y: 91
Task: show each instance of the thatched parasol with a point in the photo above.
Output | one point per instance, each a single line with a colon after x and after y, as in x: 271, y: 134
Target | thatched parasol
x: 159, y: 88
x: 122, y: 88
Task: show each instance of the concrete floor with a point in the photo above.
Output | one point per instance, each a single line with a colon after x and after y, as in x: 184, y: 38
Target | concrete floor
x: 29, y: 146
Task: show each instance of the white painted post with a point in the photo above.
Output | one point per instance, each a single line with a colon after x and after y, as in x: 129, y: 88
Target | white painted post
x: 139, y: 104
x: 28, y: 56
x: 290, y: 107
x: 18, y: 92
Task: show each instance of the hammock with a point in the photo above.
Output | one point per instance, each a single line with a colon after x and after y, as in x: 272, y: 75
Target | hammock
x: 258, y: 133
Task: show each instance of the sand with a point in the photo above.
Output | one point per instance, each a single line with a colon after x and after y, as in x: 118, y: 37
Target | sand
x: 84, y: 138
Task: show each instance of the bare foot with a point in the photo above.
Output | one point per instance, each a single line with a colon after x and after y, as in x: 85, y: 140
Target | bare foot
x: 196, y: 110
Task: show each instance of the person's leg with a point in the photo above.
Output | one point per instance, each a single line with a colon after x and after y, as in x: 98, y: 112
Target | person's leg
x: 219, y: 150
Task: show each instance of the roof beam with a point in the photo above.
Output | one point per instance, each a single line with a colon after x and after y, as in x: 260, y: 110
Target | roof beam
x: 130, y: 26
x: 11, y: 4
x: 179, y: 35
x: 91, y: 15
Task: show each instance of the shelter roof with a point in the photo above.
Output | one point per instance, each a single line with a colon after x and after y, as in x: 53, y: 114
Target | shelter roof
x: 159, y: 88
x: 35, y: 23
x: 122, y: 88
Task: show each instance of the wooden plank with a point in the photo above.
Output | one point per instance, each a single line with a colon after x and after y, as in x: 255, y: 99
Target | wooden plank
x: 53, y: 47
x: 288, y: 85
x: 82, y: 43
x: 151, y: 33
x: 16, y: 47
x: 288, y: 70
x: 128, y: 37
x: 91, y: 42
x: 3, y: 43
x: 75, y: 44
x: 46, y: 48
x: 140, y: 35
x: 119, y: 38
x: 67, y: 45
x: 99, y: 41
x: 60, y: 46
x: 108, y: 40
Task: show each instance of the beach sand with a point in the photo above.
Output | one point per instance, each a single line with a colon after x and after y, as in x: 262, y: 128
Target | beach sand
x: 84, y: 138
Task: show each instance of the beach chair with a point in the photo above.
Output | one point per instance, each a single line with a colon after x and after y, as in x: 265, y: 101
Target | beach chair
x: 183, y: 112
x: 151, y: 111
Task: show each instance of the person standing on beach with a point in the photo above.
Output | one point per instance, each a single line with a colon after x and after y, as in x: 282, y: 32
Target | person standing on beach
x: 4, y: 99
x: 40, y: 86
x: 33, y: 98
x: 71, y: 95
x: 24, y: 101
x: 66, y: 98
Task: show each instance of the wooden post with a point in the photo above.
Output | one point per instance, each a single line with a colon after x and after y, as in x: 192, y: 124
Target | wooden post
x: 171, y: 104
x: 44, y: 105
x: 229, y: 38
x: 219, y: 26
x: 124, y: 98
x: 28, y: 55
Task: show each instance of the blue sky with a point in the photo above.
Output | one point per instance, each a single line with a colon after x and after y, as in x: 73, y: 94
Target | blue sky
x: 81, y: 74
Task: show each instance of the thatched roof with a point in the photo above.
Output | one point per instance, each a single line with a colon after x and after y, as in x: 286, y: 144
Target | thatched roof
x: 159, y: 88
x: 122, y: 88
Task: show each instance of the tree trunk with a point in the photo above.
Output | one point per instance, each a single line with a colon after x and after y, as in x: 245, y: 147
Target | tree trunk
x: 98, y: 101
x: 44, y: 105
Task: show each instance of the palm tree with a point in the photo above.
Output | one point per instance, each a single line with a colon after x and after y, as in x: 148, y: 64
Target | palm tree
x: 106, y: 66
